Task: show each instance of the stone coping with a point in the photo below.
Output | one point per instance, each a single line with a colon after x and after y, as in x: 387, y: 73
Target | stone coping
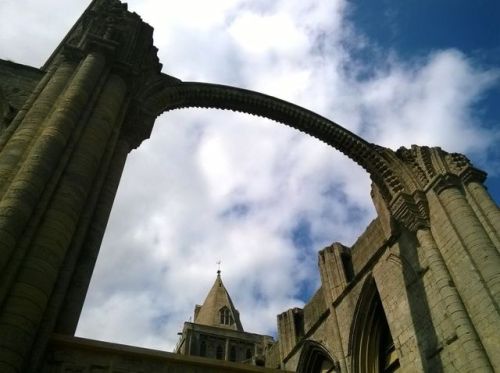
x: 64, y: 342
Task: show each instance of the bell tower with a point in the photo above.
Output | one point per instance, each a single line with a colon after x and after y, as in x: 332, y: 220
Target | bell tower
x: 216, y: 331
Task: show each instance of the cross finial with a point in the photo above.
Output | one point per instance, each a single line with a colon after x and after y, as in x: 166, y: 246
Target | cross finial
x: 218, y: 266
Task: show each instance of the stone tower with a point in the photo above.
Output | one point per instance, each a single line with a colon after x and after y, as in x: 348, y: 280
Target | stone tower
x: 419, y: 290
x: 216, y: 331
x: 218, y: 309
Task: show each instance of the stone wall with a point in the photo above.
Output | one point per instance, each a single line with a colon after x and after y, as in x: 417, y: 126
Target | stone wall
x: 432, y: 256
x: 17, y: 82
x: 77, y: 355
x: 421, y: 284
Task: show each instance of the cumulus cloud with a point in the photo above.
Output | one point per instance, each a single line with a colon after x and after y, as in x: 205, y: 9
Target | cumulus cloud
x: 261, y: 197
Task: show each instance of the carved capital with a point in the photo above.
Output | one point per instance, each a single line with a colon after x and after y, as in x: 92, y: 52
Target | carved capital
x: 69, y: 53
x: 411, y: 210
x: 446, y: 181
x: 472, y: 174
x: 107, y: 27
x: 106, y: 47
x: 460, y: 165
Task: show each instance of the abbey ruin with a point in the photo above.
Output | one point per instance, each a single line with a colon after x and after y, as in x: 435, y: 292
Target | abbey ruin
x: 418, y: 291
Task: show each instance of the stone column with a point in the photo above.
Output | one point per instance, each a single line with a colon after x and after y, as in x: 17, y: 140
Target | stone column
x: 474, y: 357
x: 66, y: 300
x: 472, y: 260
x: 474, y: 238
x: 34, y: 111
x: 23, y: 309
x: 486, y: 209
x: 226, y: 350
x: 26, y: 175
x: 80, y: 279
x: 339, y: 353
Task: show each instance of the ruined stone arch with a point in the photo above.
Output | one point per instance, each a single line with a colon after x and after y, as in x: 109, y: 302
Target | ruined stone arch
x: 97, y: 98
x: 168, y: 94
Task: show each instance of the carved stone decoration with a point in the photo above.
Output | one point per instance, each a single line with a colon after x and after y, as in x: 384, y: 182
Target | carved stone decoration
x: 108, y: 27
x: 410, y: 157
x: 98, y: 96
x: 462, y: 166
x: 423, y: 168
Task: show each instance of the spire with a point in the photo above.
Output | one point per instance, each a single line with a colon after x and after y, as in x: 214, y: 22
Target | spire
x: 218, y: 308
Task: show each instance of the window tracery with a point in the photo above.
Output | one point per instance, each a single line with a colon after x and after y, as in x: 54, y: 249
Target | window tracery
x: 225, y: 316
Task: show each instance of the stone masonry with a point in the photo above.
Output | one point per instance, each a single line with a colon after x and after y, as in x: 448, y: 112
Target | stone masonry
x: 418, y: 291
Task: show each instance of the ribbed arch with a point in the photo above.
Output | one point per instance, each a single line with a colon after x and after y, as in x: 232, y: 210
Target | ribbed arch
x: 171, y: 94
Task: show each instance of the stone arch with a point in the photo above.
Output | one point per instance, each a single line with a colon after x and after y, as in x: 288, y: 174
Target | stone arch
x: 315, y: 358
x: 370, y: 342
x: 168, y: 94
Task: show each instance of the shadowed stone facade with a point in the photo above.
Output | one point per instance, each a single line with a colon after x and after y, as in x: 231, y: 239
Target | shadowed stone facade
x: 418, y: 291
x: 409, y: 296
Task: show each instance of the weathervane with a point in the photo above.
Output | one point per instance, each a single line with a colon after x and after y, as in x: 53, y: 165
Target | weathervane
x: 218, y: 266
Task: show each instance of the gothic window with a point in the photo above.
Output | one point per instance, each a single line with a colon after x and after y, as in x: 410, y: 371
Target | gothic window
x: 225, y: 316
x: 371, y: 340
x: 388, y: 358
x: 316, y: 359
x: 203, y: 348
x: 219, y: 353
x: 232, y: 353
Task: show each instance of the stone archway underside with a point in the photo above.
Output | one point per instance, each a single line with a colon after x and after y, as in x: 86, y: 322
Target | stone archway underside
x: 166, y: 97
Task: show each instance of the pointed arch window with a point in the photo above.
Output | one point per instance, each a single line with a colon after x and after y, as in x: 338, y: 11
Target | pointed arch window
x: 225, y: 316
x: 371, y: 341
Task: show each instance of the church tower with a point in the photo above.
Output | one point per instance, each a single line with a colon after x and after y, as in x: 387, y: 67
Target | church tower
x: 218, y: 309
x: 217, y: 332
x: 418, y: 291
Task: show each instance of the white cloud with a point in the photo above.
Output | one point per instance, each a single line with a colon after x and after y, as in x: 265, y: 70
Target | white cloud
x: 214, y: 185
x: 261, y: 35
x: 432, y: 101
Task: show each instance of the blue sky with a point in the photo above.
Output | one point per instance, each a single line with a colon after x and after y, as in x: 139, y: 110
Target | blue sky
x: 261, y: 197
x: 412, y: 29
